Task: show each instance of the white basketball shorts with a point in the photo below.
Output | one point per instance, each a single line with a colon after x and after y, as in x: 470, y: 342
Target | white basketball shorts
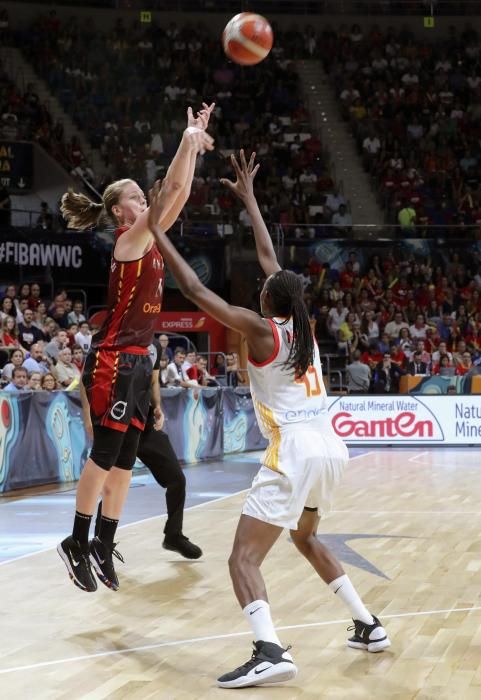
x: 310, y: 460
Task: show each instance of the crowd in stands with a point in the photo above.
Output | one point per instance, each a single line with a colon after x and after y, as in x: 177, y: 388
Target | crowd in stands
x: 397, y: 317
x: 414, y: 107
x: 129, y: 88
x: 43, y: 345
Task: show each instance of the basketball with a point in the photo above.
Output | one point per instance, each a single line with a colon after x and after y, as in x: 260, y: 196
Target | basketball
x: 247, y: 38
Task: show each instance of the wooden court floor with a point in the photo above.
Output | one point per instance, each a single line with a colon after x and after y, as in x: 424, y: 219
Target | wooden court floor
x: 408, y: 525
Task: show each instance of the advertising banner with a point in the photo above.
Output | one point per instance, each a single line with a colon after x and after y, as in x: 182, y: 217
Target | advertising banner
x: 71, y: 257
x: 193, y: 422
x: 16, y: 166
x: 241, y: 431
x: 407, y: 419
x: 42, y: 438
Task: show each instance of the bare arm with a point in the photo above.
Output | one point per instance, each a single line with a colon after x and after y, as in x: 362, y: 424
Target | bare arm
x: 180, y: 174
x: 155, y: 400
x: 257, y: 331
x: 86, y: 410
x: 244, y: 189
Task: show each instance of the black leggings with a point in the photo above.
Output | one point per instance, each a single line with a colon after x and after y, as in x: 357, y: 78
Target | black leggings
x: 157, y: 454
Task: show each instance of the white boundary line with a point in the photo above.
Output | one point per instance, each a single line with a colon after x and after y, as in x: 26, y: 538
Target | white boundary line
x: 153, y: 517
x: 416, y: 457
x: 194, y: 640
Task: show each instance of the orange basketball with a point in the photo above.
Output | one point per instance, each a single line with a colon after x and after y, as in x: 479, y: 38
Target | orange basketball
x: 247, y: 38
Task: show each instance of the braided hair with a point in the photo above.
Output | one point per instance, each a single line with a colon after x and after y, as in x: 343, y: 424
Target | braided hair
x: 287, y: 296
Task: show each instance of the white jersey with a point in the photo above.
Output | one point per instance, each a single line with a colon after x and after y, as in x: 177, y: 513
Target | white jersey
x: 279, y: 398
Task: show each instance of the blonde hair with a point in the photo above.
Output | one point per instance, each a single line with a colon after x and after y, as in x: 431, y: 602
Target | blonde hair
x: 81, y: 212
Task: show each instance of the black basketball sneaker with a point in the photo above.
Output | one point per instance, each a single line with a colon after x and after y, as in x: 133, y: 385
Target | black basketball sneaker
x: 76, y: 559
x: 101, y: 558
x: 269, y: 663
x: 372, y: 638
x: 181, y: 544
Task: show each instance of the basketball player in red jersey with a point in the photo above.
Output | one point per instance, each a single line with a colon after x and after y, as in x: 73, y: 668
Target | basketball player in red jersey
x: 304, y: 459
x: 118, y: 369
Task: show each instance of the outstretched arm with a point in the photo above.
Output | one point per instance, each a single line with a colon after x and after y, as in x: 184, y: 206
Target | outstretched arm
x: 243, y: 187
x: 257, y: 331
x: 180, y: 173
x: 181, y: 170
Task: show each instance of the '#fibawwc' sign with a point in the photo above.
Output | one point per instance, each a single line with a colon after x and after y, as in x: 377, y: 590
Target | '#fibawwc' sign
x: 389, y: 420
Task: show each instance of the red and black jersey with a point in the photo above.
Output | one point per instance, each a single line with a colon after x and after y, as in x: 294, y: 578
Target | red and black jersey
x: 134, y: 301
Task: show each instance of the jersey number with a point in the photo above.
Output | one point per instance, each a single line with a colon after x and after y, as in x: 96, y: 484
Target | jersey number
x: 311, y: 382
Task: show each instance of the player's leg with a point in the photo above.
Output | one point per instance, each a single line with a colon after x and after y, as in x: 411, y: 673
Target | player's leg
x: 157, y: 453
x: 368, y: 631
x: 270, y: 661
x: 74, y: 550
x: 266, y: 512
x: 116, y: 487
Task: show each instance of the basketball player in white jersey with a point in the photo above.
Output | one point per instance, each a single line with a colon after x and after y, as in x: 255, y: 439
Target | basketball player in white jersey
x: 304, y: 459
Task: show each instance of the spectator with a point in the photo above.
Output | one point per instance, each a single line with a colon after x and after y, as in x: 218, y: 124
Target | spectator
x: 465, y: 364
x: 234, y: 375
x: 407, y: 220
x: 444, y: 367
x: 163, y: 362
x: 16, y: 361
x: 386, y: 376
x: 45, y: 218
x: 28, y: 334
x: 34, y: 379
x: 83, y: 337
x: 336, y: 317
x: 218, y: 369
x: 48, y: 382
x: 9, y: 337
x: 175, y: 374
x: 166, y: 350
x: 442, y: 350
x: 418, y: 329
x: 7, y: 308
x: 78, y: 357
x: 358, y: 375
x: 58, y: 343
x: 342, y: 220
x: 203, y: 376
x: 393, y: 328
x: 19, y: 380
x: 65, y: 371
x: 76, y: 315
x: 417, y: 366
x: 35, y: 362
x: 459, y: 352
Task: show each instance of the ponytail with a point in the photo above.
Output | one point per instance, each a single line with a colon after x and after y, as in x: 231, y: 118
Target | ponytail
x: 79, y: 211
x: 287, y: 296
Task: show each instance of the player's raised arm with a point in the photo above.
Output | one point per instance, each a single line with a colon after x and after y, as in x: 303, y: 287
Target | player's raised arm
x: 243, y: 187
x: 243, y: 320
x: 181, y: 170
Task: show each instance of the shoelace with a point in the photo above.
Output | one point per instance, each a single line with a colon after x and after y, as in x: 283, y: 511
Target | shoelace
x: 252, y: 661
x: 116, y: 553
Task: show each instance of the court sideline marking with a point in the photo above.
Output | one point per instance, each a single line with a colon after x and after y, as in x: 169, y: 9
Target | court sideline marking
x: 194, y: 640
x: 155, y: 517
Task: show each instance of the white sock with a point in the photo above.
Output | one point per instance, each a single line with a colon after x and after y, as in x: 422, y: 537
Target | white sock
x: 258, y: 615
x: 343, y: 588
